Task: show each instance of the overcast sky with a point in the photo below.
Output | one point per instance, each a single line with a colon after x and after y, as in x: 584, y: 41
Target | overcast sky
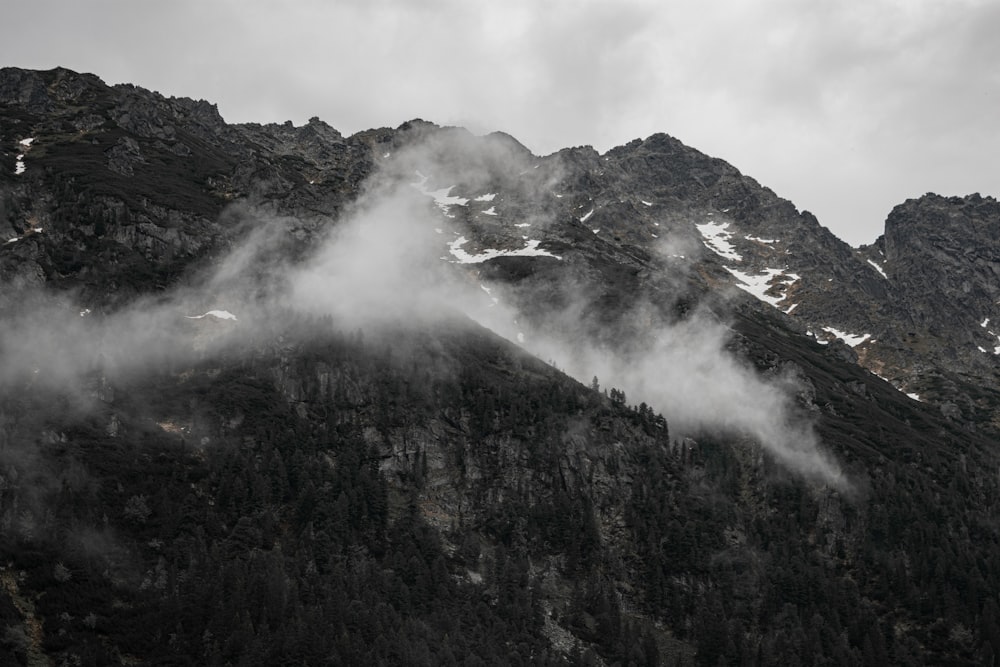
x: 844, y: 107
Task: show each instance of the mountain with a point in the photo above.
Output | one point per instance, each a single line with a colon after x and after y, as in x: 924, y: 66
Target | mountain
x: 274, y: 395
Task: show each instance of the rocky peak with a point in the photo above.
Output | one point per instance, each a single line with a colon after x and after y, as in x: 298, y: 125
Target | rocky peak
x: 955, y: 221
x: 45, y: 91
x: 944, y: 254
x: 24, y: 88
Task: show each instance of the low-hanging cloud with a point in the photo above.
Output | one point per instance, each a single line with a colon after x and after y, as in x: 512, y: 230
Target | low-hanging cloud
x: 685, y: 370
x: 380, y: 265
x: 383, y: 263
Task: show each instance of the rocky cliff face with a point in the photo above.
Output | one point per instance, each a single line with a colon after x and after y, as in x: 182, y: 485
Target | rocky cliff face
x: 941, y: 261
x: 910, y: 308
x: 120, y: 176
x: 942, y: 253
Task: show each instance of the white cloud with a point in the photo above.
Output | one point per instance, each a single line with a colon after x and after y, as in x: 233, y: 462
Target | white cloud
x: 384, y: 263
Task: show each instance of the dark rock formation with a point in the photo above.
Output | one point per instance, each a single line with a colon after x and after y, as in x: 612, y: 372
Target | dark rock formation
x: 944, y: 253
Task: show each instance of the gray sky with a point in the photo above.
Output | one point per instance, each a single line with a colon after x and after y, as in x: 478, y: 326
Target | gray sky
x: 844, y: 107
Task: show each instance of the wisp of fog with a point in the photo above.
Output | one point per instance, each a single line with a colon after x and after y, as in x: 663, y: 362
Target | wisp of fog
x: 385, y: 262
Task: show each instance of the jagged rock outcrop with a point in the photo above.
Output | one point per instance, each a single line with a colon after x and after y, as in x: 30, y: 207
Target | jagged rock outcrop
x: 76, y: 137
x: 943, y: 257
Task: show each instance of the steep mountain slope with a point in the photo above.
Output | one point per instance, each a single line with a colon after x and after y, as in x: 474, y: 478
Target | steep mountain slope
x: 341, y: 465
x: 911, y: 305
x: 941, y: 257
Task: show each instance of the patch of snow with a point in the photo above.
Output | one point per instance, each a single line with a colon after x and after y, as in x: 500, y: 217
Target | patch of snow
x: 717, y: 240
x: 85, y: 312
x: 821, y: 342
x: 217, y: 314
x: 11, y: 240
x: 996, y: 350
x: 587, y: 216
x: 523, y: 224
x: 441, y: 196
x: 462, y: 257
x: 19, y: 167
x: 487, y: 197
x: 492, y: 210
x: 646, y: 203
x: 760, y: 240
x: 915, y: 397
x: 558, y: 196
x: 385, y: 155
x: 984, y: 323
x: 791, y: 308
x: 759, y: 285
x: 879, y: 269
x: 725, y: 210
x: 654, y: 235
x: 595, y: 230
x: 489, y: 293
x: 851, y: 339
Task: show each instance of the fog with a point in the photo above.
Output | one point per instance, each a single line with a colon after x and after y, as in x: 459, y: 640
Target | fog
x: 387, y: 262
x: 685, y: 371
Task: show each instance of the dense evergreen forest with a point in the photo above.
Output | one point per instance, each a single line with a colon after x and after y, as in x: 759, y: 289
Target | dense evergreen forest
x: 203, y: 516
x: 271, y: 537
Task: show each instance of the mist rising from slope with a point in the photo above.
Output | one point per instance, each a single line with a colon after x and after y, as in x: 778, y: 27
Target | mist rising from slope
x: 53, y: 344
x: 682, y: 369
x: 379, y: 266
x: 685, y: 371
x: 382, y: 265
